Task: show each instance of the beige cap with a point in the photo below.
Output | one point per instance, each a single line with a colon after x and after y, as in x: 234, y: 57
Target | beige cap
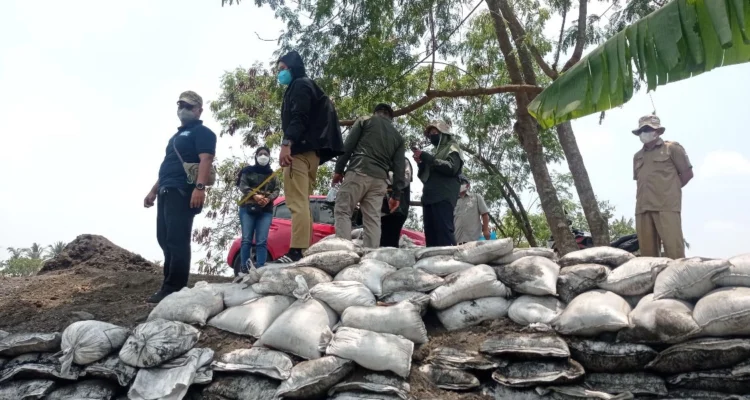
x: 649, y: 120
x: 191, y: 98
x: 440, y: 125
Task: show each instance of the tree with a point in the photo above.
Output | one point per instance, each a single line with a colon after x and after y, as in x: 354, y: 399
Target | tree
x: 20, y: 266
x: 36, y: 252
x: 56, y: 248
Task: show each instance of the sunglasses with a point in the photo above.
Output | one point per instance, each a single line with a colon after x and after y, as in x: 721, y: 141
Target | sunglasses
x: 187, y: 106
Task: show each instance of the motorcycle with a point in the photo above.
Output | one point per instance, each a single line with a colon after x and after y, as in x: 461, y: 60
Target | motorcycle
x: 583, y: 239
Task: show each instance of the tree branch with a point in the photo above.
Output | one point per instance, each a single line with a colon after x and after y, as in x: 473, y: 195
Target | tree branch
x: 559, y: 41
x: 267, y: 40
x: 433, y: 45
x: 581, y: 37
x: 503, y: 40
x: 519, y: 34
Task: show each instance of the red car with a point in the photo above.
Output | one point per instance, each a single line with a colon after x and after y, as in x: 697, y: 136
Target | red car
x: 279, y: 235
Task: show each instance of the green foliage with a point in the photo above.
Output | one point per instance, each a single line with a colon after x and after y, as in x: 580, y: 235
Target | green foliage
x: 20, y: 266
x: 56, y: 248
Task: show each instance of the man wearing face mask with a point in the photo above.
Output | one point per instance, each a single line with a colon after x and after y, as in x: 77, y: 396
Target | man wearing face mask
x: 470, y: 209
x: 312, y: 136
x: 661, y: 168
x: 179, y: 196
x: 439, y: 172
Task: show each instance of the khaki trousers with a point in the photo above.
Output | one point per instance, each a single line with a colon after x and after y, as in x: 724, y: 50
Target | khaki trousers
x: 299, y: 180
x: 654, y: 227
x: 369, y: 193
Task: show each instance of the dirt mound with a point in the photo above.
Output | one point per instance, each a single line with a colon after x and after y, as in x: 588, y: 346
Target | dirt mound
x: 97, y: 252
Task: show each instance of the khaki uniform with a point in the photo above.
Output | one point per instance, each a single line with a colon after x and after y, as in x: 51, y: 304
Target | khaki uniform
x: 299, y: 180
x: 659, y: 198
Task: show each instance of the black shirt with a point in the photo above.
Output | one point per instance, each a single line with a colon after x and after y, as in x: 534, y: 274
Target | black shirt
x: 190, y: 140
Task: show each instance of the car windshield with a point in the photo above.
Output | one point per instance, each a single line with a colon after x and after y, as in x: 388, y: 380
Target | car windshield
x: 282, y: 211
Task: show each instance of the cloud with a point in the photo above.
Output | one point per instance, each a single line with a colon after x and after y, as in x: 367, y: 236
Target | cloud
x: 723, y: 163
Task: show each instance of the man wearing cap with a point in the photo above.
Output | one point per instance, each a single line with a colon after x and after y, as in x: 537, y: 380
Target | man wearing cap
x: 439, y: 173
x: 372, y: 148
x: 180, y: 197
x: 470, y: 210
x: 661, y: 168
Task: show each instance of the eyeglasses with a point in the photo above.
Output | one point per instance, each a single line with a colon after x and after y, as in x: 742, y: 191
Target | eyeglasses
x: 187, y: 106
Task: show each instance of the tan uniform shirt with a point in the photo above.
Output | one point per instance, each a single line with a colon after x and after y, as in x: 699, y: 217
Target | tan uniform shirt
x: 657, y: 172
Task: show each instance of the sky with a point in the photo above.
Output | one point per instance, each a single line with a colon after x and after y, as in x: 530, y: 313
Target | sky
x: 87, y: 100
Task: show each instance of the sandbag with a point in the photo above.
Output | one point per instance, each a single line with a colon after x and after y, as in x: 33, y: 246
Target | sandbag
x: 419, y: 299
x: 689, y: 394
x: 604, y: 255
x: 592, y: 313
x: 398, y: 258
x: 369, y: 273
x: 252, y: 318
x: 85, y: 342
x: 501, y: 392
x: 171, y: 380
x: 530, y: 345
x: 527, y: 310
x: 610, y: 357
x: 332, y: 244
x: 473, y: 312
x: 441, y: 265
x: 474, y: 283
x: 37, y: 365
x: 16, y: 344
x: 449, y: 378
x: 380, y: 383
x: 701, y: 355
x: 724, y: 312
x: 85, y: 390
x: 653, y: 321
x: 372, y: 350
x: 242, y: 387
x: 361, y: 395
x: 635, y: 277
x: 281, y: 281
x: 688, y: 278
x: 35, y: 389
x: 235, y: 294
x: 311, y: 379
x: 738, y: 273
x: 530, y: 275
x: 518, y: 254
x: 301, y: 327
x: 485, y: 253
x: 533, y: 373
x: 401, y: 319
x: 717, y: 380
x: 330, y: 262
x: 637, y: 383
x: 410, y: 279
x: 339, y: 295
x: 113, y: 369
x: 578, y: 279
x: 157, y: 341
x: 462, y: 359
x: 191, y: 306
x: 257, y: 360
x: 437, y: 251
x: 576, y: 392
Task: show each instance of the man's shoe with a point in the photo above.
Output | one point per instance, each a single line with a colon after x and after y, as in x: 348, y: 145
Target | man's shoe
x: 292, y: 256
x: 157, y: 297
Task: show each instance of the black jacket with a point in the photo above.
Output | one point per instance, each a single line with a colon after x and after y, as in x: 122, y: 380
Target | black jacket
x: 308, y: 117
x: 251, y: 177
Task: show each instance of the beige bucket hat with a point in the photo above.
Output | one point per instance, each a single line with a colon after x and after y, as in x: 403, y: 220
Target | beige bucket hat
x: 440, y: 125
x: 649, y: 120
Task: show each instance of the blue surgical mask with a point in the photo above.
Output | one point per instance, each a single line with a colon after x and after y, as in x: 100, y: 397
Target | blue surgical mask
x: 285, y: 77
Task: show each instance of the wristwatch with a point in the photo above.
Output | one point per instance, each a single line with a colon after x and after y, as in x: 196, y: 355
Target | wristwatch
x: 200, y: 186
x: 286, y: 142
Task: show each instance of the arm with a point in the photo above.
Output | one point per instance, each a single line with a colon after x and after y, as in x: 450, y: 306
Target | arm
x: 349, y: 145
x: 448, y: 167
x: 151, y: 196
x: 155, y: 188
x: 485, y: 213
x: 399, y: 174
x: 300, y: 99
x: 245, y: 185
x: 204, y: 168
x: 276, y: 190
x: 681, y: 162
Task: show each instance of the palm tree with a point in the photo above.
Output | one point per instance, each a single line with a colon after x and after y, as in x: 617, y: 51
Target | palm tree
x: 57, y: 248
x: 35, y: 252
x: 15, y: 252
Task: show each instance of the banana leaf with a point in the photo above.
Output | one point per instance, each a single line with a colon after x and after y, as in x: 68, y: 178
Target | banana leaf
x: 681, y: 40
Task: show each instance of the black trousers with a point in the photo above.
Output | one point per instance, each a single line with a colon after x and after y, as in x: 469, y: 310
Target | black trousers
x: 438, y: 224
x: 174, y: 227
x: 390, y: 229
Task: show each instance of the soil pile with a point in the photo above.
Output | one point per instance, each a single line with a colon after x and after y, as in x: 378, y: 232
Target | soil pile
x: 97, y: 252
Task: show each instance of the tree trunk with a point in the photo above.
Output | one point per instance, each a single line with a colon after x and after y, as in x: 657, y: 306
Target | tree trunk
x: 597, y: 223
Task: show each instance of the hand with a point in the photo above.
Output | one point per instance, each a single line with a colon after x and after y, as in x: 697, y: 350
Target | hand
x: 257, y: 198
x: 418, y: 156
x: 486, y: 233
x: 337, y: 178
x: 393, y: 204
x: 150, y: 199
x: 285, y: 156
x: 198, y: 198
x: 263, y: 201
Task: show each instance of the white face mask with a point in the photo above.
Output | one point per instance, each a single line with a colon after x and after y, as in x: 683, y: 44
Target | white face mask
x: 185, y: 115
x: 648, y: 137
x: 263, y: 160
x: 464, y: 188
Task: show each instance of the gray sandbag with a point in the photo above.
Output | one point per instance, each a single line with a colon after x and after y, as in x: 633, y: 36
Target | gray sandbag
x: 257, y: 360
x: 241, y: 387
x: 34, y: 389
x: 578, y: 392
x: 473, y: 312
x: 724, y: 312
x: 113, y: 369
x: 375, y: 383
x: 311, y: 379
x: 282, y: 281
x: 361, y: 395
x: 689, y: 394
x: 372, y: 350
x: 449, y: 378
x: 157, y: 341
x: 534, y: 373
x: 580, y: 278
x: 717, y: 380
x: 501, y: 392
x: 637, y: 383
x: 530, y: 275
x: 437, y: 251
x: 592, y: 313
x: 473, y: 283
x: 3, y: 334
x: 252, y: 318
x: 37, y: 365
x: 301, y: 327
x: 604, y: 255
x: 330, y: 262
x: 398, y: 258
x: 530, y: 345
x: 738, y: 273
x: 633, y: 300
x: 340, y: 295
x: 688, y: 278
x: 635, y: 277
x: 610, y: 357
x: 518, y: 254
x: 4, y: 361
x: 190, y: 305
x: 332, y: 244
x: 527, y: 310
x: 486, y: 253
x: 463, y: 359
x: 171, y: 380
x: 419, y: 299
x: 401, y: 319
x: 410, y: 279
x: 235, y: 294
x: 441, y: 265
x: 701, y: 355
x: 369, y: 273
x: 85, y: 390
x: 85, y: 342
x: 16, y: 344
x: 654, y: 321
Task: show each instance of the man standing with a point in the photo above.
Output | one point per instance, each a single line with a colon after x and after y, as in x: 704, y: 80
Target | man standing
x: 372, y: 148
x: 660, y: 169
x: 312, y: 136
x: 439, y: 173
x: 470, y: 209
x: 179, y: 196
